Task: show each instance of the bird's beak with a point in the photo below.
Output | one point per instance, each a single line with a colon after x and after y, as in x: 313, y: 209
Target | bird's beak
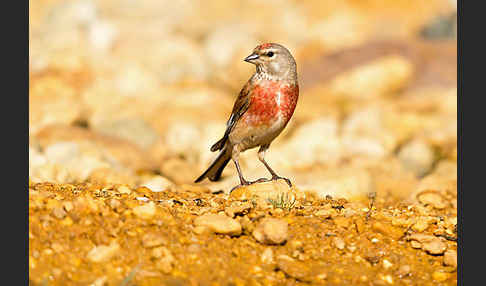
x: 251, y: 58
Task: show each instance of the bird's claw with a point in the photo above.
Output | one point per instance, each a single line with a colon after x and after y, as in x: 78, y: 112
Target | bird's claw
x: 261, y: 180
x: 274, y: 178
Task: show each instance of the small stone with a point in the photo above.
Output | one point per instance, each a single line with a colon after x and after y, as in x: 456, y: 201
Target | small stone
x: 420, y: 237
x: 100, y: 281
x: 388, y: 279
x: 440, y: 276
x: 114, y: 204
x: 271, y: 231
x: 435, y: 246
x: 146, y: 211
x: 450, y: 258
x: 262, y: 192
x: 277, y: 212
x: 432, y: 198
x: 324, y: 213
x: 166, y: 261
x: 103, y: 253
x: 68, y: 206
x: 219, y: 224
x: 200, y: 229
x: 387, y: 264
x: 157, y: 252
x: 57, y: 247
x: 124, y: 190
x: 338, y: 243
x: 417, y: 156
x: 235, y: 210
x: 157, y: 184
x: 293, y: 268
x: 267, y: 256
x: 416, y: 244
x: 404, y: 270
x: 352, y: 248
x: 392, y: 231
x: 420, y: 225
x: 152, y: 240
x: 59, y: 213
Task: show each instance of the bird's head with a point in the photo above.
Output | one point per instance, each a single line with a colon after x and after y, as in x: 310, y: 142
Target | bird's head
x: 273, y: 60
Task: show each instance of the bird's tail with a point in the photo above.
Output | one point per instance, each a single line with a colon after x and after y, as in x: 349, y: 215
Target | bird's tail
x: 213, y: 173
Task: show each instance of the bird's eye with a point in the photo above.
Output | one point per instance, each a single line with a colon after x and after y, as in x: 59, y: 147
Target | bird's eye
x: 270, y: 54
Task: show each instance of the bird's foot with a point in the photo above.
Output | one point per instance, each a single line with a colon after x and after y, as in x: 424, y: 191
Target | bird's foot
x: 274, y: 178
x: 261, y: 180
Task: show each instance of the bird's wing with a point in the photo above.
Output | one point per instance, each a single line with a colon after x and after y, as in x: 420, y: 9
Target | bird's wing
x: 241, y: 106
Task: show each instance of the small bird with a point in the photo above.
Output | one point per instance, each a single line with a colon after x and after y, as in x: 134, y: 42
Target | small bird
x: 262, y: 110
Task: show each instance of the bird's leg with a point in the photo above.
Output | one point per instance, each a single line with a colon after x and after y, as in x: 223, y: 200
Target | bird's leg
x: 261, y: 157
x: 243, y: 181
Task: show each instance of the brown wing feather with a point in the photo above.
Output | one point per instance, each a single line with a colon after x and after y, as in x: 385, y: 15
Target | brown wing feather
x: 241, y: 106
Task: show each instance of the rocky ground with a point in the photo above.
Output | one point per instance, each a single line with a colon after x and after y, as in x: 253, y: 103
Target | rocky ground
x: 268, y: 234
x: 125, y: 99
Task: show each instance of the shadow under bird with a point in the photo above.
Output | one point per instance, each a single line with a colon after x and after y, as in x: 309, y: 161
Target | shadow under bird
x: 262, y: 110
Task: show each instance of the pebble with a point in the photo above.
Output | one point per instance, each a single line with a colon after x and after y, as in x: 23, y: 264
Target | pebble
x: 450, y: 258
x: 387, y: 264
x: 388, y: 279
x: 404, y: 270
x: 294, y: 268
x: 338, y: 243
x: 267, y: 256
x: 219, y: 224
x: 440, y: 276
x: 420, y: 225
x: 417, y: 156
x: 324, y: 213
x: 103, y: 253
x: 420, y: 237
x: 166, y: 261
x: 114, y: 204
x: 146, y: 211
x: 57, y: 247
x: 431, y: 244
x: 261, y: 192
x: 152, y: 240
x: 157, y: 184
x: 432, y: 198
x: 435, y: 246
x: 415, y: 244
x: 271, y: 231
x: 68, y: 206
x: 389, y: 230
x: 124, y: 190
x: 200, y: 229
x: 59, y: 212
x: 235, y: 210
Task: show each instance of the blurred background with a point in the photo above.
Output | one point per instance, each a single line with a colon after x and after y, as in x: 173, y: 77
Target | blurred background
x: 135, y: 92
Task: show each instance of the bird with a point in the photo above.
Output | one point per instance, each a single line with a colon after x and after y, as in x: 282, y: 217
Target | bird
x: 261, y: 111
